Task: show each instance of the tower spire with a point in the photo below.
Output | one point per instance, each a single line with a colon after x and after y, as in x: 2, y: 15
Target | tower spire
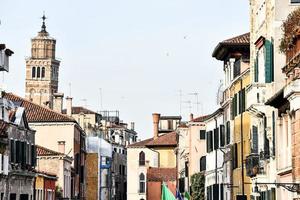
x: 43, y: 25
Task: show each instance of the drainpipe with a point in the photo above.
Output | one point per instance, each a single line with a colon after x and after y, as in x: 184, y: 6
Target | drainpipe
x: 242, y: 144
x: 216, y: 160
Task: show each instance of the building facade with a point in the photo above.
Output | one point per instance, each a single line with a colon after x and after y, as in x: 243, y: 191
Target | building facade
x: 152, y: 162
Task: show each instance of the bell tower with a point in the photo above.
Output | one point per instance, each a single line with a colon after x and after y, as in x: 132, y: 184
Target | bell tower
x: 42, y: 69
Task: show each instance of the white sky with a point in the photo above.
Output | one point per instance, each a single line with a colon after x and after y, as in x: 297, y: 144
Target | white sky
x: 140, y: 52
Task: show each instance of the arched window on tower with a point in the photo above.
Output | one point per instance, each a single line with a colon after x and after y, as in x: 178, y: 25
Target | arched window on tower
x: 142, y: 183
x: 142, y: 158
x: 43, y: 72
x: 33, y: 72
x: 38, y: 72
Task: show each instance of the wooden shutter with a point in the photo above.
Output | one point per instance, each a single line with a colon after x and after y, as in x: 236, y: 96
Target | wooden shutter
x: 216, y: 138
x: 228, y: 132
x: 222, y: 135
x: 268, y: 61
x: 12, y: 151
x: 18, y: 151
x: 202, y: 134
x: 266, y: 141
x: 33, y: 155
x: 273, y: 134
x: 256, y: 68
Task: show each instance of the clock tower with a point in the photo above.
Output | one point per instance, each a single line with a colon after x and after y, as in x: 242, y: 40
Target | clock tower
x: 42, y: 69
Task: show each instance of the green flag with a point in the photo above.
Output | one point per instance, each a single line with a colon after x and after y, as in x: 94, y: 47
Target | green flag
x: 187, y: 196
x: 166, y: 194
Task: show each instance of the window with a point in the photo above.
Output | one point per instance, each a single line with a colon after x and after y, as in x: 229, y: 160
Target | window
x: 12, y: 151
x: 222, y: 135
x: 142, y: 158
x: 202, y: 163
x: 254, y: 148
x: 38, y: 72
x: 142, y: 183
x: 216, y: 138
x: 33, y: 72
x: 209, y: 141
x: 234, y: 152
x: 202, y: 134
x: 228, y: 132
x: 43, y: 72
x: 295, y: 1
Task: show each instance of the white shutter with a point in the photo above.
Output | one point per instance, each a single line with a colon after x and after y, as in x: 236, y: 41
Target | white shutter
x: 1, y: 167
x: 5, y: 163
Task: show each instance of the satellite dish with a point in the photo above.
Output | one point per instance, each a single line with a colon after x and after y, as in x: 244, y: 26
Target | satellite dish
x: 220, y: 96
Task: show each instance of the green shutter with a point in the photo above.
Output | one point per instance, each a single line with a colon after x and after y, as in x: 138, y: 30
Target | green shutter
x: 256, y: 69
x: 268, y: 61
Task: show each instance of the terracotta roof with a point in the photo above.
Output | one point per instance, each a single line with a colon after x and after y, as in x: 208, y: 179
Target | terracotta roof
x: 239, y: 43
x: 37, y: 113
x: 161, y: 174
x: 241, y: 39
x: 201, y: 118
x: 168, y: 139
x: 79, y: 109
x: 43, y: 151
x: 48, y: 174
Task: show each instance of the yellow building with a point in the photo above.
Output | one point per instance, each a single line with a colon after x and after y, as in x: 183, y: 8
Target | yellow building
x: 241, y: 132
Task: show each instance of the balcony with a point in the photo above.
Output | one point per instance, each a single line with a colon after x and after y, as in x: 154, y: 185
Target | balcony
x: 252, y: 165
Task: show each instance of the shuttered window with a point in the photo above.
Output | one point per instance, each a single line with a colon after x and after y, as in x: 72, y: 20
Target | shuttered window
x: 222, y: 135
x: 256, y: 68
x: 33, y: 155
x: 254, y: 140
x: 209, y: 141
x: 12, y: 151
x: 273, y: 134
x: 243, y: 100
x: 269, y: 67
x: 202, y: 163
x: 266, y: 141
x: 234, y: 156
x: 228, y: 132
x: 18, y: 152
x: 216, y: 138
x: 202, y: 134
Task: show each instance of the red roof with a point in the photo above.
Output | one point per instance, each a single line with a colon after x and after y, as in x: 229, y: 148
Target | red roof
x: 168, y: 139
x: 161, y: 174
x: 239, y: 43
x: 241, y: 39
x: 201, y: 118
x: 43, y: 151
x: 37, y: 113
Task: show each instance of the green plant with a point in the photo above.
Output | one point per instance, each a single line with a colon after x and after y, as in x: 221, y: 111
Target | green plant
x: 58, y: 192
x: 290, y: 28
x: 198, y: 186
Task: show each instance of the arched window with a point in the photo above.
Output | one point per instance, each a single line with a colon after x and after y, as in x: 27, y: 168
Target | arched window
x: 43, y: 72
x: 33, y: 72
x: 202, y: 163
x: 38, y: 72
x: 142, y: 183
x: 142, y: 158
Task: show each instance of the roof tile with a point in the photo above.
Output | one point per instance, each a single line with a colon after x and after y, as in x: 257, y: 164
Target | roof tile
x: 37, y: 113
x: 161, y: 174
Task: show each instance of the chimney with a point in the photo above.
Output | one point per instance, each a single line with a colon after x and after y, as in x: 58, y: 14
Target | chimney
x: 61, y: 146
x: 132, y: 126
x: 156, y: 117
x: 191, y: 117
x: 58, y: 102
x: 69, y: 106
